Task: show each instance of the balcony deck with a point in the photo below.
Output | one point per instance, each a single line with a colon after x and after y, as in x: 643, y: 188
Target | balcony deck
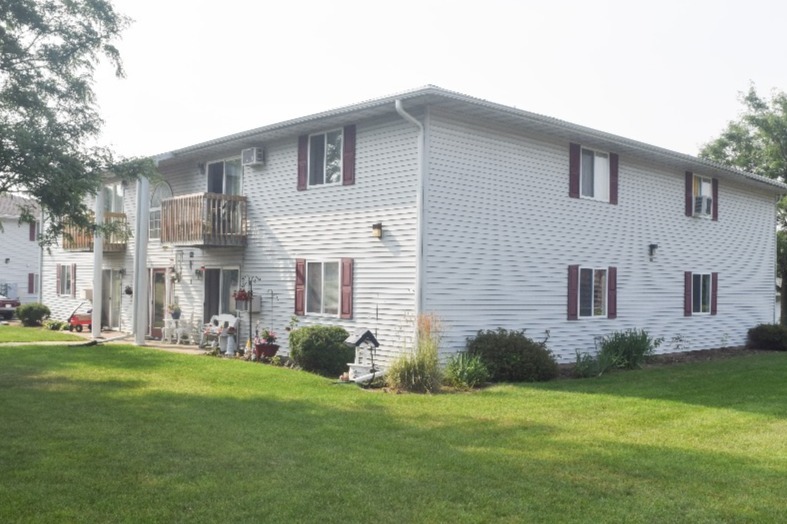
x: 204, y: 219
x: 82, y: 239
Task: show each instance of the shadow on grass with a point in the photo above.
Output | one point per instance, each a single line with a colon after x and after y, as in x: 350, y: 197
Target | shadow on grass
x: 274, y: 445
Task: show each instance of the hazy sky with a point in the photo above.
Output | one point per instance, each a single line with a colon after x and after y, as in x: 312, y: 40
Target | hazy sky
x: 667, y: 73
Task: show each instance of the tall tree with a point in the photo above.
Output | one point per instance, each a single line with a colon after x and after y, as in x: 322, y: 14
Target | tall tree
x: 757, y: 143
x: 49, y: 122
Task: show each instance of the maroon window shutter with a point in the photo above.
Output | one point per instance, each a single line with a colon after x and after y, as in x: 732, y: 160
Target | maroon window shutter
x: 348, y: 156
x: 303, y: 162
x: 31, y: 282
x: 714, y: 291
x: 300, y: 287
x: 573, y: 290
x: 715, y: 196
x: 612, y: 292
x: 57, y: 279
x: 32, y: 231
x: 347, y: 288
x: 689, y: 196
x: 73, y: 280
x: 613, y: 178
x: 687, y: 294
x: 574, y: 151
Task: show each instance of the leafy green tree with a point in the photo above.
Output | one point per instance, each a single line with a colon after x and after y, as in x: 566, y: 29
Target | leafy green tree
x: 49, y: 122
x: 757, y: 143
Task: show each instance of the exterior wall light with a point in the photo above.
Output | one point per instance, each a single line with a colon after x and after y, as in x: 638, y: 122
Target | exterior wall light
x: 377, y: 230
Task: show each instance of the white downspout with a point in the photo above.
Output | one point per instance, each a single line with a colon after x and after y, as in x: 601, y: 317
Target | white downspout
x: 419, y: 221
x: 98, y: 265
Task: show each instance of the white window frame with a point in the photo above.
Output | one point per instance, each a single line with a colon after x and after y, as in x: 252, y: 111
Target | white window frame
x: 66, y: 285
x: 600, y: 176
x: 698, y: 183
x: 307, y: 305
x: 593, y: 292
x: 706, y: 284
x: 325, y: 181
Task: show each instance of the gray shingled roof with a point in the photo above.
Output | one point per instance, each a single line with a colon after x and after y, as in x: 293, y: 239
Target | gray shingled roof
x: 9, y: 205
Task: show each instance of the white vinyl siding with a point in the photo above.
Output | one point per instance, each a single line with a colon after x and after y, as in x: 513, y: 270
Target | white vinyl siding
x: 500, y: 235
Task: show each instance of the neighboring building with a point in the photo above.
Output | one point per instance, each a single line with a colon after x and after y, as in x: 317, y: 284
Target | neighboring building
x: 489, y: 217
x: 20, y: 254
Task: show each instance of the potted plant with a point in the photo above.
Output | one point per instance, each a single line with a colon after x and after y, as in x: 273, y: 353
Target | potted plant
x: 265, y: 344
x: 174, y: 311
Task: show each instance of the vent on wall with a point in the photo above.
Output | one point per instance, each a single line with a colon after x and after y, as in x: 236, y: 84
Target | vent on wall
x: 252, y: 156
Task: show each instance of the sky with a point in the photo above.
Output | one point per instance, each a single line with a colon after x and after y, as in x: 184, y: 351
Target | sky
x: 667, y: 73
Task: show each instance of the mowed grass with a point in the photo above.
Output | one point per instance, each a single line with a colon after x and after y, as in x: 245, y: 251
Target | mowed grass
x: 118, y: 433
x: 17, y: 333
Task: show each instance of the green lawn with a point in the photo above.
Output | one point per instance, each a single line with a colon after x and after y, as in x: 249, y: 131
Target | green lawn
x: 15, y: 333
x: 117, y: 433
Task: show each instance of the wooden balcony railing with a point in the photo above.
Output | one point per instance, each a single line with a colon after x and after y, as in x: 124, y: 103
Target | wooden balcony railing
x: 204, y: 219
x: 82, y: 239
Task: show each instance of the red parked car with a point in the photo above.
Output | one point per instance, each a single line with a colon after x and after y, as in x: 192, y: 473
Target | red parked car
x: 8, y: 307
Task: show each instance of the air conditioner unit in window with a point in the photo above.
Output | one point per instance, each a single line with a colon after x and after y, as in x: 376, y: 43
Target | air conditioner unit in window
x: 703, y: 206
x: 252, y: 156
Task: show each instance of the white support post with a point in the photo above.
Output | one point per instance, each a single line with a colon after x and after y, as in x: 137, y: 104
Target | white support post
x: 98, y: 265
x: 140, y: 278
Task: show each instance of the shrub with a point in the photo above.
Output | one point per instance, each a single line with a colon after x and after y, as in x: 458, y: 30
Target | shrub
x: 620, y: 349
x: 465, y: 371
x: 510, y: 356
x: 55, y: 325
x: 321, y: 349
x: 419, y: 370
x: 627, y: 349
x: 32, y: 314
x: 767, y: 336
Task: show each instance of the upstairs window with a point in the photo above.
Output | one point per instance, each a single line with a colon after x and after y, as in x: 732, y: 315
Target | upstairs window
x: 702, y: 196
x: 327, y: 158
x: 160, y: 192
x: 593, y: 174
x: 113, y: 198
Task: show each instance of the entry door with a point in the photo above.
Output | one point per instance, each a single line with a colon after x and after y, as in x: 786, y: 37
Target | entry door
x: 110, y: 298
x: 158, y: 301
x: 212, y: 293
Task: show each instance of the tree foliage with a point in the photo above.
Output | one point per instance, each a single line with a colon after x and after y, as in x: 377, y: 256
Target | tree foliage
x: 49, y: 122
x: 757, y: 143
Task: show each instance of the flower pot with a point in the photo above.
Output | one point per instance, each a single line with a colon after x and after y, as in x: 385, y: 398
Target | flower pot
x: 265, y: 350
x: 175, y: 315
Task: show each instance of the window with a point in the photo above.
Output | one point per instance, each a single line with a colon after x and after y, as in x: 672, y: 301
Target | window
x: 32, y: 283
x: 327, y: 158
x: 702, y: 196
x: 700, y: 290
x: 592, y: 292
x: 593, y: 174
x: 113, y: 198
x: 224, y: 177
x: 160, y: 192
x: 66, y: 279
x: 324, y: 287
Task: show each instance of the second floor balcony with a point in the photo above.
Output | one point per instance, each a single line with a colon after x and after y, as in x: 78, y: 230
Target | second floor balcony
x: 204, y: 219
x: 82, y: 239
